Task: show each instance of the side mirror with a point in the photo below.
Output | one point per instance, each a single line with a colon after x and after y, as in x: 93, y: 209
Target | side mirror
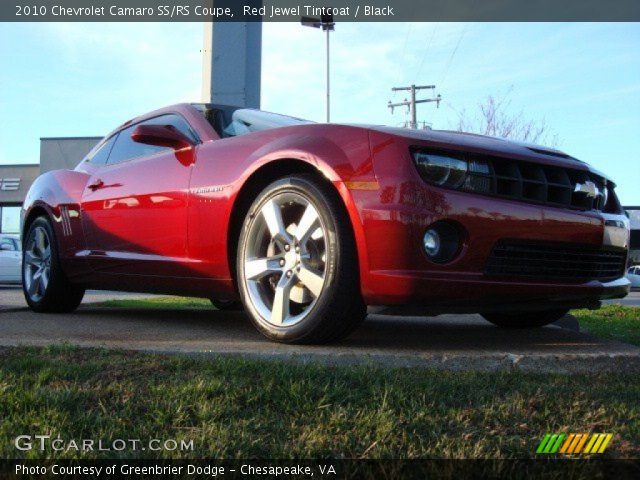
x: 161, y: 136
x: 6, y: 247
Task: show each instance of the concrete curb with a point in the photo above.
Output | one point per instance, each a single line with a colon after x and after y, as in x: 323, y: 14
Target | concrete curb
x: 566, y: 364
x: 543, y: 364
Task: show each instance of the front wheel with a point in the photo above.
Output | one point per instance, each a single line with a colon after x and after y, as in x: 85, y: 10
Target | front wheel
x: 525, y: 320
x: 297, y: 268
x: 45, y: 286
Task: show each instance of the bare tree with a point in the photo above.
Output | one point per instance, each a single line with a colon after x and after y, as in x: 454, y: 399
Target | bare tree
x: 494, y: 118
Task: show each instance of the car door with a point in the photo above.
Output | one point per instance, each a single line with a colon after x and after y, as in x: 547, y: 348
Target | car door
x: 134, y: 208
x: 10, y: 261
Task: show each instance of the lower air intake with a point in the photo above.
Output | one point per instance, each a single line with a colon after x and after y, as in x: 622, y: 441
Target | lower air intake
x: 562, y: 262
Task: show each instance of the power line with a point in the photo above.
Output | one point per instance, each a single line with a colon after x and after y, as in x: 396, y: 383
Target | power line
x: 453, y: 53
x: 412, y: 102
x: 404, y: 48
x: 424, y: 55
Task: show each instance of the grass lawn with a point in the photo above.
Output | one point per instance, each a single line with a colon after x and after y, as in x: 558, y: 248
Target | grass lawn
x: 240, y: 408
x: 613, y: 322
x: 160, y: 303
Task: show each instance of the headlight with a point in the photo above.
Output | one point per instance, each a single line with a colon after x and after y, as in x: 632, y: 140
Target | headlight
x: 445, y: 171
x: 452, y: 172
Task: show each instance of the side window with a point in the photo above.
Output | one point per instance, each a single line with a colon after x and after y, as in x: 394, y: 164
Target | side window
x: 178, y: 122
x: 126, y: 149
x: 102, y: 154
x: 7, y: 244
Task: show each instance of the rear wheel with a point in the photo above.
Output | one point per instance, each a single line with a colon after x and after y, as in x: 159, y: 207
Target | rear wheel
x: 525, y: 320
x: 45, y: 286
x: 297, y: 268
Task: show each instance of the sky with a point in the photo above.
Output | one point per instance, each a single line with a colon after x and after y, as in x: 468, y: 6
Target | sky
x: 581, y: 79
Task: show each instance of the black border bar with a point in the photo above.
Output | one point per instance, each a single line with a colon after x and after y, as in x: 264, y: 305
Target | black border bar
x: 592, y: 468
x: 343, y: 10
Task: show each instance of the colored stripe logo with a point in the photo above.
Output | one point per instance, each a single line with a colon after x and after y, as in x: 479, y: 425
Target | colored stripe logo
x: 574, y: 443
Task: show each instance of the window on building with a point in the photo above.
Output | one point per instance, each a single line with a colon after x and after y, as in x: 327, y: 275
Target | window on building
x: 10, y: 220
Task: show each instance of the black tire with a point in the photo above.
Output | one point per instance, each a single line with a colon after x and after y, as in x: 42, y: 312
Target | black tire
x: 59, y: 295
x: 338, y: 309
x: 525, y: 320
x: 228, y: 305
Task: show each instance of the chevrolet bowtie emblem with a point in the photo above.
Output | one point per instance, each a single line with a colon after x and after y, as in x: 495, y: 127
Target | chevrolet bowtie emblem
x: 588, y: 188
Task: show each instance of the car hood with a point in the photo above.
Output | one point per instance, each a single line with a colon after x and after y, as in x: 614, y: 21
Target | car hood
x: 485, y: 144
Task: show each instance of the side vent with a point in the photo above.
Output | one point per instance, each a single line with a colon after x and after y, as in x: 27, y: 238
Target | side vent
x: 66, y: 221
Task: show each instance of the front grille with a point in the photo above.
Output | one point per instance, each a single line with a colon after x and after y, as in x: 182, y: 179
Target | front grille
x: 535, y: 183
x: 564, y: 262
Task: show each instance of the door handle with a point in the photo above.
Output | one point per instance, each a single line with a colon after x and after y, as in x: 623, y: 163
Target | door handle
x: 96, y: 185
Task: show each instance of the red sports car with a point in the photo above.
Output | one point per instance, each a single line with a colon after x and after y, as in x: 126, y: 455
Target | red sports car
x: 306, y: 224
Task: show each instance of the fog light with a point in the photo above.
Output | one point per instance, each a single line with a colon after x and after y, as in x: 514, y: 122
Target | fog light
x: 442, y: 241
x: 431, y: 242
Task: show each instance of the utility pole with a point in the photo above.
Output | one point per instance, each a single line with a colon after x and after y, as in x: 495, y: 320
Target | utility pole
x: 411, y: 103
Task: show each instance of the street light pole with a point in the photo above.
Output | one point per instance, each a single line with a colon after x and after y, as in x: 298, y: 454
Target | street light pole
x: 328, y: 81
x: 328, y: 25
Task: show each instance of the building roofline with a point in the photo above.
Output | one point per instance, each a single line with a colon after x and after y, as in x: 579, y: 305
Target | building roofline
x: 72, y: 138
x: 19, y: 164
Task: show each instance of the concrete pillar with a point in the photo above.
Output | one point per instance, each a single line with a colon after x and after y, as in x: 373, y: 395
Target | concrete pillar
x: 231, y: 67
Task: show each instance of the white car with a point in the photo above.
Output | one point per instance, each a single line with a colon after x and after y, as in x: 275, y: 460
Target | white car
x: 10, y: 259
x: 633, y: 275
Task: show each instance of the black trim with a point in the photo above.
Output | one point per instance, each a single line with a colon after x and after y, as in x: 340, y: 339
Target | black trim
x: 529, y: 182
x: 566, y: 262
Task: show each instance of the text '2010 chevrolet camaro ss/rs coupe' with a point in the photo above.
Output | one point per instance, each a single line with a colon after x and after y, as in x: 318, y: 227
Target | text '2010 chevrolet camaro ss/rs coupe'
x: 306, y: 224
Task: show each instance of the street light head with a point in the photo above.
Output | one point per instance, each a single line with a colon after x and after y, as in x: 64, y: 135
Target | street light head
x: 328, y: 18
x: 311, y: 22
x: 327, y: 22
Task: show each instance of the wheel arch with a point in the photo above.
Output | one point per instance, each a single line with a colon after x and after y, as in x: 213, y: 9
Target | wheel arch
x: 259, y: 179
x: 37, y: 210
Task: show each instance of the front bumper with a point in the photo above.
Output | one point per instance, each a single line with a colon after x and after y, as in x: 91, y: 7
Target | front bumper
x: 429, y: 294
x: 397, y: 272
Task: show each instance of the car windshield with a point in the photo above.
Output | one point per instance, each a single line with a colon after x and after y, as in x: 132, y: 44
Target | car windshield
x: 230, y: 121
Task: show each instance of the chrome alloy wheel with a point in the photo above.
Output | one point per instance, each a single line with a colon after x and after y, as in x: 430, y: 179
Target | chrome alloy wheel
x: 37, y: 264
x: 284, y: 261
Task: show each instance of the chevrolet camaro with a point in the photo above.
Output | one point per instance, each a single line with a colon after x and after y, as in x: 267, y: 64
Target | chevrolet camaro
x: 304, y: 225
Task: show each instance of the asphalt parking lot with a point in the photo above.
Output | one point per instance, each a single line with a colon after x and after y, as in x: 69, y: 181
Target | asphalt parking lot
x: 458, y: 342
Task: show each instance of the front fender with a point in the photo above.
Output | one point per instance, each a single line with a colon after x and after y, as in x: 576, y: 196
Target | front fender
x: 346, y: 161
x: 344, y: 158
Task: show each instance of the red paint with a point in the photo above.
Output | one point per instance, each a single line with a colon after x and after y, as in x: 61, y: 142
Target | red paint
x: 161, y: 223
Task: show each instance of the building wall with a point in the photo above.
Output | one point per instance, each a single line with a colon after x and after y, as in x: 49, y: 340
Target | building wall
x: 15, y: 181
x: 61, y: 153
